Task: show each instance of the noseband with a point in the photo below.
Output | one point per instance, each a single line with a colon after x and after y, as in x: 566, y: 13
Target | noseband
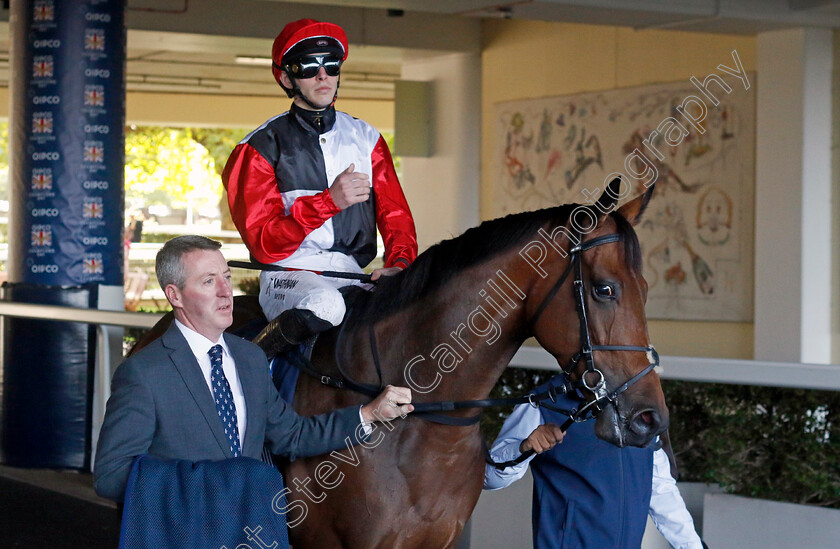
x: 592, y: 379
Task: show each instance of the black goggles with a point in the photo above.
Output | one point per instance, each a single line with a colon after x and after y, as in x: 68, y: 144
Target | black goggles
x: 308, y: 67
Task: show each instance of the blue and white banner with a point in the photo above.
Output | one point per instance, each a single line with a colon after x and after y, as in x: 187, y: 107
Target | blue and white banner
x: 68, y: 143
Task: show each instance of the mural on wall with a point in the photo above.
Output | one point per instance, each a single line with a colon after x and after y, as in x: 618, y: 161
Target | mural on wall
x: 697, y: 234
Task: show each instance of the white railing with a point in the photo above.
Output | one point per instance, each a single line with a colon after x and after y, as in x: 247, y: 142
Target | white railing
x: 102, y: 319
x: 707, y: 370
x: 145, y: 251
x: 718, y: 370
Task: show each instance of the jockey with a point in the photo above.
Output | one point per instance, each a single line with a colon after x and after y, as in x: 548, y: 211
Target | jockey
x: 309, y: 188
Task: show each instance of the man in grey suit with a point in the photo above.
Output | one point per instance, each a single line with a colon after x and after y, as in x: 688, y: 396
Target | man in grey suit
x: 197, y: 393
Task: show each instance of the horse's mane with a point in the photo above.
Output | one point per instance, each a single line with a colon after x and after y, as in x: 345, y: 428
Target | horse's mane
x: 434, y: 267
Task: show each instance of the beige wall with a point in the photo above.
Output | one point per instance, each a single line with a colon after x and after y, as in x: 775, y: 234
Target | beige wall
x: 220, y: 111
x: 525, y: 59
x: 442, y: 189
x: 173, y: 109
x: 520, y: 59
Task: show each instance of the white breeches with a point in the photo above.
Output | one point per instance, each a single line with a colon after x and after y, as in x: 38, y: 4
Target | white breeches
x: 284, y: 290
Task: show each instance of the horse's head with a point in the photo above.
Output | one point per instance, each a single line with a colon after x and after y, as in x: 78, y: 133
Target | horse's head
x: 608, y: 295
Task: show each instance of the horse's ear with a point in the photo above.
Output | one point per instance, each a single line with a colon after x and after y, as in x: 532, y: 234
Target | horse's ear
x: 633, y: 210
x: 609, y: 197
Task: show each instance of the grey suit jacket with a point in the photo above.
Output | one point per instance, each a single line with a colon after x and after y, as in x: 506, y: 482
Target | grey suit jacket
x: 160, y: 405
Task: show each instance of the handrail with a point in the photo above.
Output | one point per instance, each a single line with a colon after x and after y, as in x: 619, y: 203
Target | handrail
x: 717, y: 370
x: 75, y: 314
x: 704, y: 370
x: 102, y: 318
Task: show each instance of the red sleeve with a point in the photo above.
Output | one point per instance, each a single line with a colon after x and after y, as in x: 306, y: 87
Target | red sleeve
x: 256, y: 206
x: 393, y: 218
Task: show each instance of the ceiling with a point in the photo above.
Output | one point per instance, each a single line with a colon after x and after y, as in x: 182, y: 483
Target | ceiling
x: 192, y: 46
x: 237, y: 66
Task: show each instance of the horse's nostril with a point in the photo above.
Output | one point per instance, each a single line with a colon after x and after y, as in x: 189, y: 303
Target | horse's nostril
x: 645, y: 422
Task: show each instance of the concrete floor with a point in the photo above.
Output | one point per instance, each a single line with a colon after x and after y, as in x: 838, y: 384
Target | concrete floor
x: 55, y: 509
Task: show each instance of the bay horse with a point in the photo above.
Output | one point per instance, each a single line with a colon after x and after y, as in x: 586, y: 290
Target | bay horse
x: 447, y: 326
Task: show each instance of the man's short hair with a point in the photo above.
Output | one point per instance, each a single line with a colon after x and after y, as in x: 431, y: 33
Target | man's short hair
x: 168, y: 266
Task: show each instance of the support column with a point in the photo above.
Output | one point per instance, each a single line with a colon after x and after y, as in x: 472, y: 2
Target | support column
x: 443, y: 189
x: 66, y: 189
x: 793, y: 196
x: 67, y: 142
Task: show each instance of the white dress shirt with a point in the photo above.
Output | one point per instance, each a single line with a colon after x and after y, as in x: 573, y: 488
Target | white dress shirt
x: 667, y: 508
x: 200, y: 346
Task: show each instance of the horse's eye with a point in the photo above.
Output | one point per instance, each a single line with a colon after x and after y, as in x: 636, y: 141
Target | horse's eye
x: 604, y: 292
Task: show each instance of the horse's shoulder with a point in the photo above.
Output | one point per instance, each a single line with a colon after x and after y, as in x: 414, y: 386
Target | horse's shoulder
x: 153, y: 334
x: 145, y: 363
x: 241, y: 347
x: 247, y: 303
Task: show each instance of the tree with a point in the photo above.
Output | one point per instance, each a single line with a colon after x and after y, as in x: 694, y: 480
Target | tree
x: 4, y: 160
x: 219, y: 144
x: 167, y: 166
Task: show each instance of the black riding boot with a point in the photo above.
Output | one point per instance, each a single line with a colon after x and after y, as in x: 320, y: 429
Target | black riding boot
x: 289, y: 329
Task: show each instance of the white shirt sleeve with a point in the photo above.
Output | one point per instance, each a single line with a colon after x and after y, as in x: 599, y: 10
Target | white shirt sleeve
x: 667, y: 508
x: 521, y: 422
x: 365, y: 425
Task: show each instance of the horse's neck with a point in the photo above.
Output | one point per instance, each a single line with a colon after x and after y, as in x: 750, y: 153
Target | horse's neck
x: 455, y: 343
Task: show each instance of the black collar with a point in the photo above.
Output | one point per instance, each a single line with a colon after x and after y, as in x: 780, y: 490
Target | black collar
x: 314, y: 121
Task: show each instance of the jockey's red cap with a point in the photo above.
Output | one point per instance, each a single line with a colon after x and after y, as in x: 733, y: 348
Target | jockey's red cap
x: 307, y: 36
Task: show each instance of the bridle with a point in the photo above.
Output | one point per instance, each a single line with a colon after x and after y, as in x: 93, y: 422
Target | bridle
x: 592, y: 379
x: 598, y: 385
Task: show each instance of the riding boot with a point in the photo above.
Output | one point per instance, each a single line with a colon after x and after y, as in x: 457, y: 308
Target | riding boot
x: 289, y: 329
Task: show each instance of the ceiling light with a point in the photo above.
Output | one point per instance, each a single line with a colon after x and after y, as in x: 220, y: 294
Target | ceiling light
x: 262, y: 61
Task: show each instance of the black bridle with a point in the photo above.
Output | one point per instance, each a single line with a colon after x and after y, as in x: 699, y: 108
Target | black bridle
x: 598, y: 385
x: 591, y: 380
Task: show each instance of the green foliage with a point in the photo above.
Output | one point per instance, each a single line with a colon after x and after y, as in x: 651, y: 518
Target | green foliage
x: 4, y: 160
x: 171, y: 166
x: 513, y: 383
x: 219, y: 143
x: 159, y: 165
x: 389, y: 140
x: 4, y: 144
x: 250, y: 285
x: 156, y: 238
x: 764, y: 442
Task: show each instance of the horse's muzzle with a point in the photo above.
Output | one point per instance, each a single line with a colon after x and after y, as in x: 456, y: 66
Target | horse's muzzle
x: 643, y: 426
x: 638, y: 428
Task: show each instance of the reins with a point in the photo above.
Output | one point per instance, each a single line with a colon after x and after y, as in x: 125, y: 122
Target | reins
x: 428, y: 410
x: 592, y: 379
x: 599, y: 387
x: 255, y: 265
